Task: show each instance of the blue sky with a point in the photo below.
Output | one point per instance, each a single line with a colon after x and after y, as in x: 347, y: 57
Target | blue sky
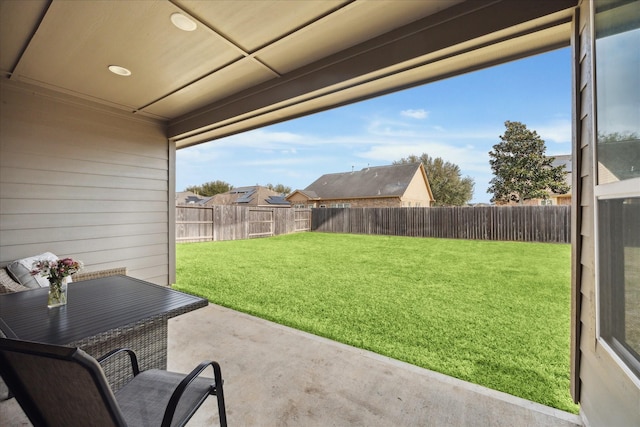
x: 458, y: 119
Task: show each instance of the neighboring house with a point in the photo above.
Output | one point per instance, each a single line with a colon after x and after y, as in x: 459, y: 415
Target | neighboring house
x: 562, y: 199
x: 619, y: 160
x: 188, y: 198
x: 394, y: 186
x: 255, y: 196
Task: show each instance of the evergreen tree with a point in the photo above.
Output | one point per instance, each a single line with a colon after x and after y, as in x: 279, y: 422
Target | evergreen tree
x: 447, y: 185
x: 520, y: 168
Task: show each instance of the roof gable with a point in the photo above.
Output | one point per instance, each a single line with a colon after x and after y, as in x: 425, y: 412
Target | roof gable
x: 309, y: 195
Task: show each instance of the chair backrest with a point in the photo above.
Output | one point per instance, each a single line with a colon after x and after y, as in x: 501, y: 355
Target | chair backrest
x: 58, y: 386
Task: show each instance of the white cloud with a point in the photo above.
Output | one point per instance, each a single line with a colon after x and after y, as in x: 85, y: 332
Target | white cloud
x: 557, y: 131
x: 469, y: 158
x: 275, y: 162
x: 200, y: 154
x: 385, y: 128
x: 415, y: 114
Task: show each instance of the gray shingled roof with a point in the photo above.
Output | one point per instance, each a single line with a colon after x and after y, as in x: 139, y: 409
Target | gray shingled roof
x: 250, y: 196
x: 566, y: 160
x: 378, y: 181
x: 562, y: 159
x: 278, y: 200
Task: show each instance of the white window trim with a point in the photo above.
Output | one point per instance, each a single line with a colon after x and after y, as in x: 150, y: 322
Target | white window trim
x: 601, y: 341
x: 616, y: 190
x: 618, y: 360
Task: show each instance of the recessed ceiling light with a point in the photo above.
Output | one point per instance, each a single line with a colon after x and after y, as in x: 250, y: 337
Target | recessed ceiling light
x: 183, y: 22
x: 121, y: 71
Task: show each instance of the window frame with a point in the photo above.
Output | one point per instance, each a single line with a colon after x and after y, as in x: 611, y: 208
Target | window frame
x: 629, y: 188
x: 614, y: 348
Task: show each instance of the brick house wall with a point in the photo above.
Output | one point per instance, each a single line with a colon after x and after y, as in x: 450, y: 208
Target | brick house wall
x: 380, y: 202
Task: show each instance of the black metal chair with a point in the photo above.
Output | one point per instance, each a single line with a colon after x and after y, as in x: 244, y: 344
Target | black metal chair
x: 62, y: 386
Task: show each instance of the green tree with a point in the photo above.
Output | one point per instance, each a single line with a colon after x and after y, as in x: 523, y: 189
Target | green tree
x: 279, y: 188
x: 607, y: 138
x: 210, y: 188
x: 520, y: 168
x: 449, y: 188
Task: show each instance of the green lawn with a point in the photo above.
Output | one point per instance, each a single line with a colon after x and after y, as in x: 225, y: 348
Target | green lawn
x: 492, y: 313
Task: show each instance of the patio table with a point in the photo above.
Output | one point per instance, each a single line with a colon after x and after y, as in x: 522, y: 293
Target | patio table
x: 100, y: 315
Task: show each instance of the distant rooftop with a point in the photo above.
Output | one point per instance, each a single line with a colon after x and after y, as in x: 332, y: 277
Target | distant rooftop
x: 377, y: 181
x: 250, y: 196
x: 562, y: 159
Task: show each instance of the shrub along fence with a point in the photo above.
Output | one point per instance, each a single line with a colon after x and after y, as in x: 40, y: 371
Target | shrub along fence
x: 201, y: 224
x: 519, y: 223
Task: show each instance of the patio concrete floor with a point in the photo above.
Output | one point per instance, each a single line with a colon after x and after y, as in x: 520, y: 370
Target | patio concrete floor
x: 278, y: 376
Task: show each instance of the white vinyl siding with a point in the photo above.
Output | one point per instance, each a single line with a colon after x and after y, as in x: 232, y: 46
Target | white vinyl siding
x: 83, y: 182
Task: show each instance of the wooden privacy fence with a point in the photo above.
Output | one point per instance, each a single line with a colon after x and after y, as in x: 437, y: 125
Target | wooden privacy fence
x: 520, y: 223
x: 223, y: 222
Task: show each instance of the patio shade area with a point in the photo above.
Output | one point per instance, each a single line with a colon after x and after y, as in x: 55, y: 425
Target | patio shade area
x: 210, y: 69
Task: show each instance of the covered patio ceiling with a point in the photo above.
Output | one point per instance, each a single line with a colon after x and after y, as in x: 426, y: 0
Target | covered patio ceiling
x: 252, y: 63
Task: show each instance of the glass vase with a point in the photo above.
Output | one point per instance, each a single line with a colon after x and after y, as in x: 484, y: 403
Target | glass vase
x: 57, y: 293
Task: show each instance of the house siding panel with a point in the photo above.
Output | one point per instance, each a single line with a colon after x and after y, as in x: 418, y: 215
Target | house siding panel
x: 84, y: 182
x: 608, y: 396
x: 417, y: 193
x: 9, y: 174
